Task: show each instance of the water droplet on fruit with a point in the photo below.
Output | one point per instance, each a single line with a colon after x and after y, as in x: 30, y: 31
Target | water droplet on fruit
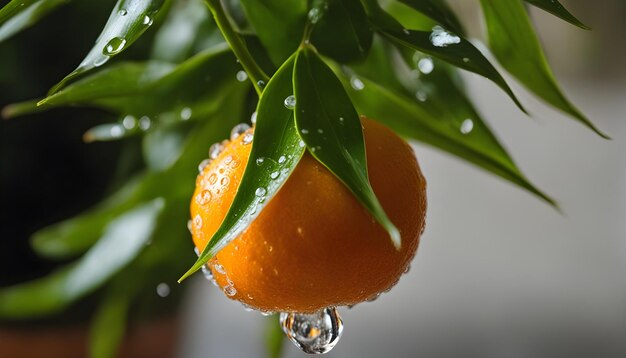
x: 238, y: 130
x: 215, y: 149
x: 204, y: 197
x: 247, y: 138
x: 230, y: 290
x: 442, y: 38
x: 197, y: 222
x: 203, y: 164
x: 315, y: 333
x: 242, y: 76
x: 219, y: 268
x: 114, y: 46
x: 290, y: 102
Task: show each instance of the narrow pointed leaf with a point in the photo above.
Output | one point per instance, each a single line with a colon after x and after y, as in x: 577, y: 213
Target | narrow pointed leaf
x: 555, y: 8
x: 515, y: 45
x: 20, y: 14
x: 276, y: 150
x: 446, y: 46
x: 406, y: 117
x: 331, y: 129
x: 122, y: 241
x: 438, y: 11
x: 128, y: 21
x: 274, y: 337
x: 278, y: 24
x: 109, y: 324
x: 343, y: 31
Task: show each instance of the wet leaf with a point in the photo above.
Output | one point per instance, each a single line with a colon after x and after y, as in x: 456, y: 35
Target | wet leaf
x: 122, y: 241
x: 446, y: 46
x: 279, y: 25
x: 20, y: 14
x: 407, y: 118
x: 276, y: 150
x: 343, y: 31
x: 128, y: 21
x: 438, y: 11
x: 555, y: 8
x: 515, y: 45
x: 331, y: 129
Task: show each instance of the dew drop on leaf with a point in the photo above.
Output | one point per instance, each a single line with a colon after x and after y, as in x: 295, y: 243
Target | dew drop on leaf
x: 114, y: 46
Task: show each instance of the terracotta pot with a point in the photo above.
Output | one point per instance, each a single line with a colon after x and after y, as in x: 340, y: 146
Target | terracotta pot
x: 150, y: 339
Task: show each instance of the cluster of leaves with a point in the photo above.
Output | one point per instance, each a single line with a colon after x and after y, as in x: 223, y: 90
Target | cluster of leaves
x: 314, y: 65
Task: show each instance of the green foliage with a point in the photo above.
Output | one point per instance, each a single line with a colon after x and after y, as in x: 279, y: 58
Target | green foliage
x: 398, y: 65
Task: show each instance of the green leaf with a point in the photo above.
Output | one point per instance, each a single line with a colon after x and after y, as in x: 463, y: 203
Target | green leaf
x: 20, y: 14
x: 191, y: 90
x: 331, y: 129
x: 406, y: 117
x: 123, y: 240
x: 175, y: 39
x: 438, y: 11
x: 128, y: 21
x: 74, y: 236
x: 279, y: 25
x: 514, y: 43
x: 555, y: 8
x: 445, y: 46
x: 109, y: 324
x: 276, y: 150
x: 274, y: 337
x: 343, y: 31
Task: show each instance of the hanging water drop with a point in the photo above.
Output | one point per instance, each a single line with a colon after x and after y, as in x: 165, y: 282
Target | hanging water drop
x: 114, y: 46
x: 315, y: 333
x: 290, y: 102
x: 163, y: 290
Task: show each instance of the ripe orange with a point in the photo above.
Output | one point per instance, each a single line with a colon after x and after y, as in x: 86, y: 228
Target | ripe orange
x: 314, y: 245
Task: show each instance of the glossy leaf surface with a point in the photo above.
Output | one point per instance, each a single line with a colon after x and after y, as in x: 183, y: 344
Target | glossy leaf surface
x: 517, y: 48
x: 276, y: 150
x: 331, y: 129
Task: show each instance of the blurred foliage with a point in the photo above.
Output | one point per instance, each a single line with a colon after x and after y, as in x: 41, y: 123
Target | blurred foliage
x: 170, y: 77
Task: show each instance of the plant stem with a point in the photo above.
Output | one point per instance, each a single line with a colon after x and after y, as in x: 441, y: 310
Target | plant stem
x: 255, y: 73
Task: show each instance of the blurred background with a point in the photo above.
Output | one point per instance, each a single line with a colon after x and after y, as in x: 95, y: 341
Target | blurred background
x: 498, y: 273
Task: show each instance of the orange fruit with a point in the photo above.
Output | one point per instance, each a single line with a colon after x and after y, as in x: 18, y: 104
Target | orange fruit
x: 314, y: 245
